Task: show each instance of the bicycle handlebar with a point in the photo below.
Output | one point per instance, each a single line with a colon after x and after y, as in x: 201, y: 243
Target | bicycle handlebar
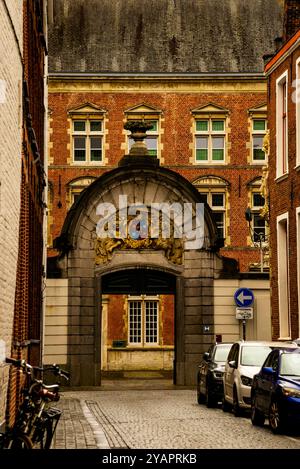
x: 23, y: 364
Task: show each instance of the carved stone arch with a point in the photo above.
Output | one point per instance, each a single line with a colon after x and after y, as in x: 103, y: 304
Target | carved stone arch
x: 193, y: 277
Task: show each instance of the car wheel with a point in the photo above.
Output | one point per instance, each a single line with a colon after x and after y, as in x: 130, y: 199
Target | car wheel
x: 235, y: 405
x: 226, y: 407
x: 275, y: 417
x: 257, y: 417
x: 210, y: 401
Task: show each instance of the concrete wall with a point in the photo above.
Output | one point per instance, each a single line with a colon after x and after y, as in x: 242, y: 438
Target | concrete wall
x: 226, y: 324
x: 11, y: 18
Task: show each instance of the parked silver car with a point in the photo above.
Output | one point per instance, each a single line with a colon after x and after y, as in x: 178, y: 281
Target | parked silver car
x: 243, y: 362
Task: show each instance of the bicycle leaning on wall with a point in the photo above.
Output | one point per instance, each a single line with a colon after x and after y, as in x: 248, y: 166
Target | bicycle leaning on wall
x: 36, y: 419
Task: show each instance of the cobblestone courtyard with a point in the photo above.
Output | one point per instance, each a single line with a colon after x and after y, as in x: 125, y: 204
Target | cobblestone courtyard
x: 164, y: 418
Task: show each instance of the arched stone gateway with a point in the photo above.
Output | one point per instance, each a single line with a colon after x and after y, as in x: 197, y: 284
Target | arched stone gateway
x: 96, y: 266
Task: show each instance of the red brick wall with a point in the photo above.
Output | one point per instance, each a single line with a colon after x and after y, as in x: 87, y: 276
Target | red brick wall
x: 28, y: 294
x: 176, y: 140
x: 291, y: 18
x: 284, y: 195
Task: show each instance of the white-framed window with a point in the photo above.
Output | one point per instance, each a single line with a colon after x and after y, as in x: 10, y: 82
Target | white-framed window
x: 283, y: 275
x: 75, y: 187
x: 151, y: 140
x: 298, y: 259
x: 143, y: 321
x: 217, y: 202
x: 282, y: 125
x: 87, y: 141
x: 210, y: 140
x: 297, y: 101
x: 259, y: 227
x: 259, y: 128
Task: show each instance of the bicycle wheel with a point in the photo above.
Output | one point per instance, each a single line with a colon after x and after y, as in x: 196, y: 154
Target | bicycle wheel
x: 44, y: 438
x: 20, y: 442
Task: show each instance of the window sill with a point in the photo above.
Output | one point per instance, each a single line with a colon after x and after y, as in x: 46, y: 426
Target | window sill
x: 297, y: 167
x: 282, y: 177
x: 283, y: 338
x: 142, y: 348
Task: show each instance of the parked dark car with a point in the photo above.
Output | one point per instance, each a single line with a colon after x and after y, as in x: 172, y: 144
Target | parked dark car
x: 210, y: 374
x: 275, y: 391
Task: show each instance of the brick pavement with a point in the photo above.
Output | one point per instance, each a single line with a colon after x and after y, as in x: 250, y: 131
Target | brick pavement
x: 161, y: 418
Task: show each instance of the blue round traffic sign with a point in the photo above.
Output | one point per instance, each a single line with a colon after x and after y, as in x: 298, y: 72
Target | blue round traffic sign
x: 243, y: 297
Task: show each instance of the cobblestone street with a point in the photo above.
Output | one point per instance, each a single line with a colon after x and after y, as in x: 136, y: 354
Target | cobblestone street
x: 164, y: 418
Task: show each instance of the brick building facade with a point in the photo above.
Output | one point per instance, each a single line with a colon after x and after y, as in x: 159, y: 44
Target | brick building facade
x: 208, y: 108
x: 283, y: 72
x: 23, y: 181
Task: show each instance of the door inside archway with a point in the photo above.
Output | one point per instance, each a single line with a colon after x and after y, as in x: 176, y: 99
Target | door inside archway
x: 138, y: 324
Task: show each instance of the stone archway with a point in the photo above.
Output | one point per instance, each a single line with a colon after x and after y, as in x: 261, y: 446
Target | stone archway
x: 194, y: 276
x: 87, y: 258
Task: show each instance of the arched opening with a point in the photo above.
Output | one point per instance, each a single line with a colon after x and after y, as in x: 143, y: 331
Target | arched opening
x: 138, y: 324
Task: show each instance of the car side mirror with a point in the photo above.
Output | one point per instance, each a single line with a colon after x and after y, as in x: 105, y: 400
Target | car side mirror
x: 268, y: 370
x: 206, y: 356
x: 232, y: 364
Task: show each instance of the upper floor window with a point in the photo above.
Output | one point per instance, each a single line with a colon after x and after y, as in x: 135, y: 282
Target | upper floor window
x: 258, y: 133
x: 214, y: 190
x: 75, y: 188
x: 87, y: 141
x: 210, y: 140
x: 281, y: 125
x: 258, y: 222
x: 87, y: 124
x: 216, y: 201
x: 258, y: 129
x: 210, y: 134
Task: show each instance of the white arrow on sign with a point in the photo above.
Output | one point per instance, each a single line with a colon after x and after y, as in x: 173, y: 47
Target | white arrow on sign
x: 243, y: 297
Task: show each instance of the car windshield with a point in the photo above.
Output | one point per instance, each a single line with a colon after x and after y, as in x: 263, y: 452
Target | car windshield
x: 290, y: 364
x: 221, y: 353
x: 254, y: 355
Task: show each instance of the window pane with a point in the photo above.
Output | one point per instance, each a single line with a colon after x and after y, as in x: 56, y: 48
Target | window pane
x: 79, y: 149
x: 151, y: 143
x: 151, y: 322
x: 217, y: 200
x: 202, y: 126
x: 201, y: 155
x: 259, y: 125
x: 79, y: 126
x: 258, y: 200
x: 258, y: 154
x: 96, y: 143
x: 204, y: 196
x: 96, y: 155
x: 95, y: 126
x: 217, y: 126
x: 154, y: 124
x: 218, y: 148
x: 135, y: 322
x: 259, y: 227
x: 219, y: 221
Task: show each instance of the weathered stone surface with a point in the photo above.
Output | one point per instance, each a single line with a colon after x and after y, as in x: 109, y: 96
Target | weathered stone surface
x: 163, y: 36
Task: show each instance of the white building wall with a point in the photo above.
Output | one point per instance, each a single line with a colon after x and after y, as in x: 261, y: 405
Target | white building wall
x: 56, y: 322
x: 11, y: 30
x: 226, y: 324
